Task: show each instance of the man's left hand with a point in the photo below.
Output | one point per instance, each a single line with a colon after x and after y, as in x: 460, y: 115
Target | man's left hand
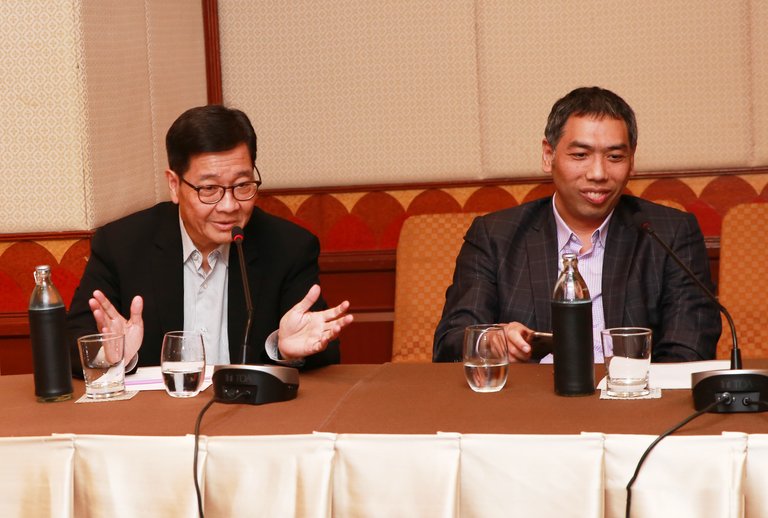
x: 303, y: 332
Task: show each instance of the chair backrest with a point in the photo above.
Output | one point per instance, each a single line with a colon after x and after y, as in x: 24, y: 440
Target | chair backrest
x: 426, y: 257
x: 742, y: 285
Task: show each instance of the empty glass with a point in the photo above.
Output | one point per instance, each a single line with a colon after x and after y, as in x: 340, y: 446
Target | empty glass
x: 101, y: 356
x: 627, y: 352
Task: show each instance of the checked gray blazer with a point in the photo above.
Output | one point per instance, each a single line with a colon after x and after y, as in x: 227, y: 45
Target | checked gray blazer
x: 507, y: 268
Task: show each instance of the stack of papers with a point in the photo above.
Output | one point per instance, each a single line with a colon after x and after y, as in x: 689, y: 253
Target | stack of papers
x: 678, y: 375
x: 151, y: 378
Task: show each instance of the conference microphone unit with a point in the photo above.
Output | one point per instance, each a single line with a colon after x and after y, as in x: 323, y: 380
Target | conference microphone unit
x: 252, y: 384
x: 747, y: 388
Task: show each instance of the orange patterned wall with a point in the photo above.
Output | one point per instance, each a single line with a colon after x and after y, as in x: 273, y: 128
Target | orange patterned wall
x: 371, y: 220
x: 66, y: 257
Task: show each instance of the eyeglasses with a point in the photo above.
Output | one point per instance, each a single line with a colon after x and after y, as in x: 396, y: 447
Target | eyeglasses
x: 212, y: 194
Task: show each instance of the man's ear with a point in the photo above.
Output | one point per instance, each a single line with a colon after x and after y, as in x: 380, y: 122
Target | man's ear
x: 173, y: 185
x: 547, y: 156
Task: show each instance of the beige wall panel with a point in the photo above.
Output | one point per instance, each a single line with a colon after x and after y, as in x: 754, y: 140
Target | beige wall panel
x: 119, y: 118
x: 759, y: 32
x: 176, y: 71
x: 683, y: 66
x: 355, y: 92
x: 41, y: 118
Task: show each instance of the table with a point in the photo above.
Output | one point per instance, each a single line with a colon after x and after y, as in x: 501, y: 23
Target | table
x: 381, y: 440
x: 371, y: 399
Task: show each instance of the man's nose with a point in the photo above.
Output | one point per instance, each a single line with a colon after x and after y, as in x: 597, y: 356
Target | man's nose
x: 228, y: 202
x: 596, y: 170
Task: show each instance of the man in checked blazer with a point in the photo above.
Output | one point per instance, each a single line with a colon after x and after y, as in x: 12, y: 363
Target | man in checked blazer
x: 507, y: 267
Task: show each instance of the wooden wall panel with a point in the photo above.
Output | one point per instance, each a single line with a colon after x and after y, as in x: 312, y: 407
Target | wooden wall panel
x: 368, y: 282
x: 15, y: 350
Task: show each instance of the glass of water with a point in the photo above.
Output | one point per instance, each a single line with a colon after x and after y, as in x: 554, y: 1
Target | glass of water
x: 182, y: 362
x: 627, y: 352
x: 101, y: 356
x: 485, y: 357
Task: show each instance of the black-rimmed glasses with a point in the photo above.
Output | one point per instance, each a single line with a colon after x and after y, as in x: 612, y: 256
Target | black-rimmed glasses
x: 212, y: 194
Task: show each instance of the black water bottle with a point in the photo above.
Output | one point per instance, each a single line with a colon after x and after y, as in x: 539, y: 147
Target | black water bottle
x: 50, y: 352
x: 574, y: 356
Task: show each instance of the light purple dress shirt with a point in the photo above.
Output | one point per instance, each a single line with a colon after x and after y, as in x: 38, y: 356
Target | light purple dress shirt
x: 590, y: 268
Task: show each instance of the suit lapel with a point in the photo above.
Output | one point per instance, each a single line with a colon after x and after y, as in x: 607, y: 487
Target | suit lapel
x: 541, y: 244
x: 167, y: 273
x: 619, y: 255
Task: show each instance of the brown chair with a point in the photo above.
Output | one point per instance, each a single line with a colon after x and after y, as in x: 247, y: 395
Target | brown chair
x: 426, y: 256
x: 742, y: 284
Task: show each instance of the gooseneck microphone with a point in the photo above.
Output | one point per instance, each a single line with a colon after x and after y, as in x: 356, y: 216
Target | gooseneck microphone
x: 237, y: 237
x: 646, y: 227
x: 252, y: 384
x: 747, y: 388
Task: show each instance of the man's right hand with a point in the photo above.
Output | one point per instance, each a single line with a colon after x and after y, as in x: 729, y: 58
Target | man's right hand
x: 109, y: 320
x: 518, y: 342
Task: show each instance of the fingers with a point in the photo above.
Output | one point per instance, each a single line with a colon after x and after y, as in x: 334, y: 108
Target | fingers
x: 98, y: 314
x: 343, y: 322
x: 137, y: 306
x: 108, y: 318
x: 517, y: 342
x: 333, y: 328
x: 327, y: 333
x: 305, y: 304
x: 104, y: 304
x: 498, y: 346
x: 303, y: 332
x: 335, y: 312
x: 103, y: 311
x: 334, y: 320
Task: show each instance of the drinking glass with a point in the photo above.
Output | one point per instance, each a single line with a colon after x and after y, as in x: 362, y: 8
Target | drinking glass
x: 627, y: 353
x: 182, y: 362
x: 485, y: 357
x: 101, y: 356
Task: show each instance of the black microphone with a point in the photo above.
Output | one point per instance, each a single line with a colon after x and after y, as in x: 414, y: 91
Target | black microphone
x: 252, y: 384
x: 646, y: 227
x: 746, y: 386
x: 237, y: 237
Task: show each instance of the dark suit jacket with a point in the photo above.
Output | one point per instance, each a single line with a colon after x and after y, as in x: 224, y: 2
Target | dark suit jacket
x: 141, y: 254
x: 506, y: 272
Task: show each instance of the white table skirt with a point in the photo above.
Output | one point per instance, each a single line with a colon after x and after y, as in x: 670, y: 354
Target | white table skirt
x: 352, y: 475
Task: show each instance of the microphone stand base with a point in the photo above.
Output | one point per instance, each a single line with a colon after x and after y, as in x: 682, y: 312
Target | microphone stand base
x: 254, y: 384
x: 746, y: 386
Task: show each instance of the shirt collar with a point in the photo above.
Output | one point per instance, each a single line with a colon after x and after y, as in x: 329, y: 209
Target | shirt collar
x: 565, y: 234
x: 188, y: 247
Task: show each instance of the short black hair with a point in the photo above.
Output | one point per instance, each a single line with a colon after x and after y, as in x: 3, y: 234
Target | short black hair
x: 594, y: 101
x: 207, y: 129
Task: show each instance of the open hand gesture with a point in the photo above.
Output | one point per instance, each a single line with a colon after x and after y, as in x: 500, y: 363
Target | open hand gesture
x: 303, y: 332
x: 109, y: 320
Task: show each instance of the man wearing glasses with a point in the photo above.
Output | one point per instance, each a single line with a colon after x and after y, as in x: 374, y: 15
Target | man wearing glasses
x: 172, y: 266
